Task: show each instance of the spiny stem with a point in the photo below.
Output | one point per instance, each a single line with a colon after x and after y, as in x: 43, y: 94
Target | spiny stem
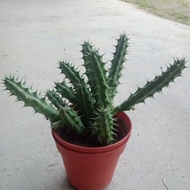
x: 154, y: 86
x: 31, y: 99
x: 117, y: 63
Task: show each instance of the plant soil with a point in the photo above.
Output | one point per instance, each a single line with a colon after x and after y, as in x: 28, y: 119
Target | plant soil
x: 88, y: 140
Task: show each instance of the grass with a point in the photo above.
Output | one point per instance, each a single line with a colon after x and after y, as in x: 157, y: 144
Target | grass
x: 176, y: 10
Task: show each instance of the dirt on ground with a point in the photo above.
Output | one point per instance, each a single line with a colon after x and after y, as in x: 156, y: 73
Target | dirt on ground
x: 176, y: 10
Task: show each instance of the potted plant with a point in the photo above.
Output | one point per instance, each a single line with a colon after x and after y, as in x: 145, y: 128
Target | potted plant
x: 89, y: 131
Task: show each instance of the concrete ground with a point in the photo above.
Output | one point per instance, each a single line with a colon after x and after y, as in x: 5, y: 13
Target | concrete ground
x: 35, y: 35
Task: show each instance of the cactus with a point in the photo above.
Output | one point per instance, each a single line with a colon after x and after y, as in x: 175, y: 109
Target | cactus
x: 117, y: 63
x: 83, y: 97
x: 32, y: 99
x: 153, y: 86
x: 84, y: 105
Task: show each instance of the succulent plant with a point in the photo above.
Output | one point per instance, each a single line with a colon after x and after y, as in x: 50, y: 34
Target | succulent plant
x: 84, y: 105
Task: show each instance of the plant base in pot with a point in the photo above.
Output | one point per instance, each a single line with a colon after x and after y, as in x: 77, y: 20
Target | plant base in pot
x: 90, y: 168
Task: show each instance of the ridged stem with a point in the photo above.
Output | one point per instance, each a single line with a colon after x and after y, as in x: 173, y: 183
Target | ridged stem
x: 97, y: 75
x: 154, y: 86
x: 82, y: 93
x: 31, y: 99
x: 117, y: 63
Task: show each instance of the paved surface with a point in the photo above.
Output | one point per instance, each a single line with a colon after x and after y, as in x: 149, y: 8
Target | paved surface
x: 35, y: 35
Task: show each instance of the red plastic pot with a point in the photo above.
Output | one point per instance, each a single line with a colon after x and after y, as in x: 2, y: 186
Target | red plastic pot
x: 90, y: 168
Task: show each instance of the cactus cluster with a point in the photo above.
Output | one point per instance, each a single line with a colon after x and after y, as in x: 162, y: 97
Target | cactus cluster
x: 83, y: 102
